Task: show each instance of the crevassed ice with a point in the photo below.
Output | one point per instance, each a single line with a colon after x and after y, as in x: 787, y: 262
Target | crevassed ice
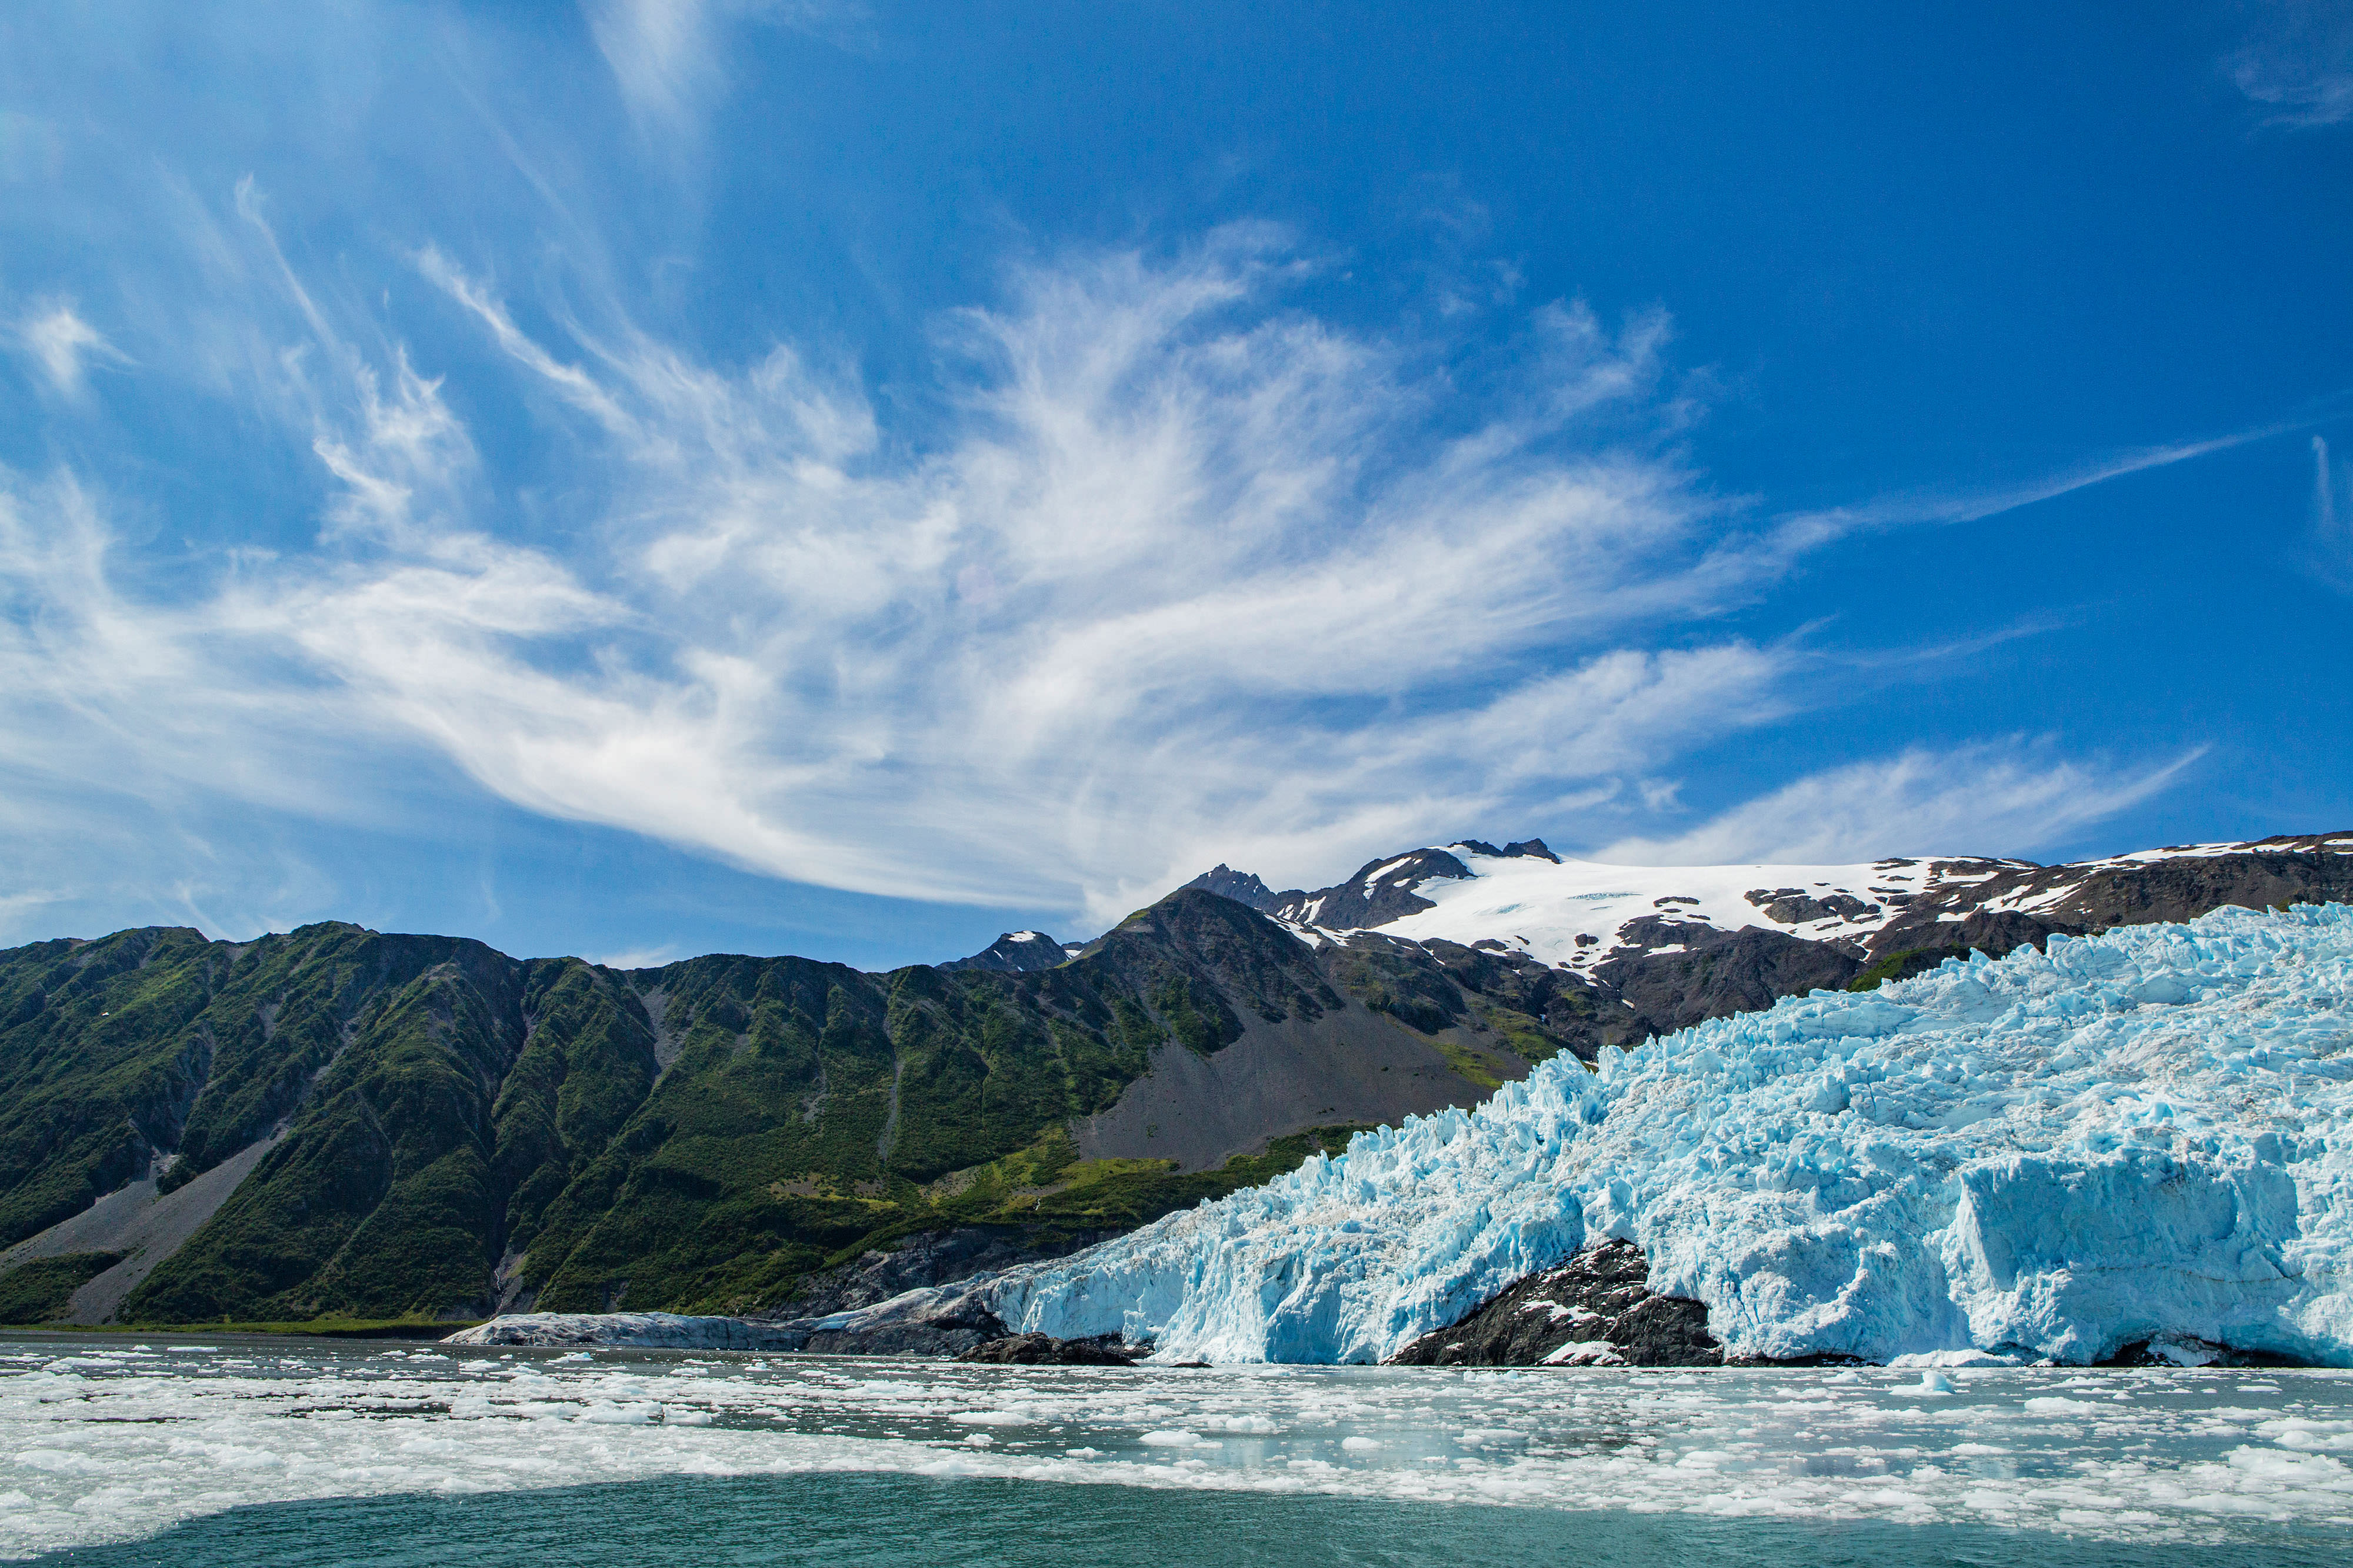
x: 2138, y: 1134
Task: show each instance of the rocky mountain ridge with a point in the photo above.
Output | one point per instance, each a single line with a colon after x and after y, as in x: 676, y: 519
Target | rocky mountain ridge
x: 1607, y: 955
x: 336, y: 1122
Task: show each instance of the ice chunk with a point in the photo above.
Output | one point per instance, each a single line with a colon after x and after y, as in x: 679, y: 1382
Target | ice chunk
x: 607, y: 1412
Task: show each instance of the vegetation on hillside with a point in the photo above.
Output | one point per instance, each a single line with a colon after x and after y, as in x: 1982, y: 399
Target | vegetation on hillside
x: 37, y: 1291
x: 460, y: 1127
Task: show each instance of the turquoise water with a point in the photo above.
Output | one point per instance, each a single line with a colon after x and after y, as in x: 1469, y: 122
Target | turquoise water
x: 888, y: 1521
x: 254, y: 1451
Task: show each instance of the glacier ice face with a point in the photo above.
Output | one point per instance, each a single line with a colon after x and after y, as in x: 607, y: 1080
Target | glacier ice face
x: 2130, y: 1136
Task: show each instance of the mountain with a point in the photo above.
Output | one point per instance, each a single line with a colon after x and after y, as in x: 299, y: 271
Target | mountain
x: 1018, y: 952
x: 1629, y: 951
x: 336, y: 1122
x: 2126, y: 1146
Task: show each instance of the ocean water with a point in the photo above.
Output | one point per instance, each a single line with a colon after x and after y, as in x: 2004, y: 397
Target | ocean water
x: 254, y: 1452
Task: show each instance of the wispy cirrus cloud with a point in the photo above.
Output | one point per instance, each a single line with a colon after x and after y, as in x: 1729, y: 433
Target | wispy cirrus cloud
x: 2004, y: 797
x: 2327, y: 552
x: 2298, y: 63
x: 1188, y: 573
x: 1800, y: 533
x: 667, y: 56
x: 55, y: 338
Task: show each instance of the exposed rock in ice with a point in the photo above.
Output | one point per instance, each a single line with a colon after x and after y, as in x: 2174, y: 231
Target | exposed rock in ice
x: 2137, y: 1137
x: 1044, y: 1350
x: 1596, y: 1309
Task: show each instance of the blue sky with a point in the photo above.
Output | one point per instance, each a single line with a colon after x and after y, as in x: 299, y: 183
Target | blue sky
x: 652, y: 477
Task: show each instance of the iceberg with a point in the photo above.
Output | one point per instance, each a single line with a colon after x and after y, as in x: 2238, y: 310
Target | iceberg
x: 650, y: 1331
x: 2134, y: 1137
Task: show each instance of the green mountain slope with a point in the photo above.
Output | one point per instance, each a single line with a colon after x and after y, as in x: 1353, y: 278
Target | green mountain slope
x: 460, y: 1131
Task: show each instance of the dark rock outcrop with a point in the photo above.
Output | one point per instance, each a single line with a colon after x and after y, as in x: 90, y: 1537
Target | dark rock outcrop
x: 1715, y: 973
x: 1243, y: 888
x: 1530, y: 846
x: 1380, y: 891
x: 1044, y: 1350
x: 1795, y: 906
x: 1596, y: 1309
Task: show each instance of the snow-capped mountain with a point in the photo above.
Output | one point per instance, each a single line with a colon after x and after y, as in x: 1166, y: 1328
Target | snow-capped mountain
x: 1584, y: 915
x: 1018, y: 952
x: 1610, y: 955
x: 1746, y: 1133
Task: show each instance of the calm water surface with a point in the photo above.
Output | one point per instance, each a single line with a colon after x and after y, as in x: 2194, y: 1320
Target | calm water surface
x: 269, y: 1452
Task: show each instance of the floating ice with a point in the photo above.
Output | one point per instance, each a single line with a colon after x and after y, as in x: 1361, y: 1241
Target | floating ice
x: 611, y: 1415
x: 95, y: 1454
x: 2135, y: 1136
x: 669, y: 1331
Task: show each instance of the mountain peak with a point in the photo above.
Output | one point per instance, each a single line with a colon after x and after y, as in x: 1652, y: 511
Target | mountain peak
x: 1018, y: 952
x: 1532, y: 849
x: 1242, y: 887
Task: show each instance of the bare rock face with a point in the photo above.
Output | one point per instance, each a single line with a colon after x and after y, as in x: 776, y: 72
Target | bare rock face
x: 1380, y: 891
x: 1243, y: 888
x: 1596, y: 1309
x: 1044, y: 1350
x: 1706, y: 974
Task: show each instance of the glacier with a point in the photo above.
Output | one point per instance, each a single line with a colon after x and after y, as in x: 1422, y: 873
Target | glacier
x: 2141, y: 1135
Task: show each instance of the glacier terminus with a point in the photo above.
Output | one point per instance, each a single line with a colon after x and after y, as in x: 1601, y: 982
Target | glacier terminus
x: 2140, y: 1137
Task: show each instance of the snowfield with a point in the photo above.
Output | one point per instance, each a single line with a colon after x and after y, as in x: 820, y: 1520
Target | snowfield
x: 1542, y: 908
x: 2140, y: 1135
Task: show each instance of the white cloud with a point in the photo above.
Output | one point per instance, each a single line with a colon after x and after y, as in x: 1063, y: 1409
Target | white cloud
x: 1988, y: 799
x: 2299, y: 63
x: 638, y: 957
x: 1185, y: 577
x: 2331, y: 552
x: 62, y: 345
x: 1801, y: 532
x: 665, y: 54
x: 660, y: 54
